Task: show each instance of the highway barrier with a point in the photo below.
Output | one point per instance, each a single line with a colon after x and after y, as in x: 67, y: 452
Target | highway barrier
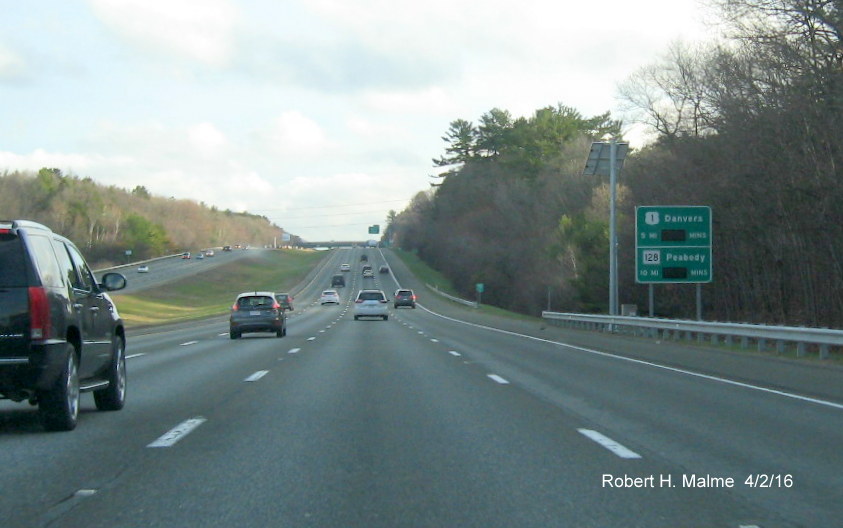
x: 726, y: 333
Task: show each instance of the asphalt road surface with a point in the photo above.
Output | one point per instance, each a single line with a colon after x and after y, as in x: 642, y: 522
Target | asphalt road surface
x: 439, y: 417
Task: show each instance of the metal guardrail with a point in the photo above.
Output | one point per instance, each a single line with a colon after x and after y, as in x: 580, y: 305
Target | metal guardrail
x: 822, y: 338
x: 473, y: 304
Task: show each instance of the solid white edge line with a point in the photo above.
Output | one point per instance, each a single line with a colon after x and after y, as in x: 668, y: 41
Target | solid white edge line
x: 139, y: 354
x: 726, y: 381
x: 609, y: 444
x: 257, y: 375
x: 189, y: 343
x: 178, y: 432
x: 498, y: 379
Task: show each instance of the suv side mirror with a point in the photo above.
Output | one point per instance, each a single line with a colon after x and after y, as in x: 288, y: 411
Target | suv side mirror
x: 113, y: 281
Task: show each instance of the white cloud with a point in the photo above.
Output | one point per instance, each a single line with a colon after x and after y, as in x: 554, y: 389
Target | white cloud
x: 295, y: 133
x: 12, y: 65
x: 200, y: 30
x: 76, y: 162
x: 206, y: 139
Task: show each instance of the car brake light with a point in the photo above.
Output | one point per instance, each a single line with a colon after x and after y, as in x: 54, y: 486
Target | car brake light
x: 39, y: 313
x: 276, y: 306
x: 235, y: 307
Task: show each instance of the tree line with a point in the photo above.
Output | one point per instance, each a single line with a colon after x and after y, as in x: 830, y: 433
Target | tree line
x: 107, y: 221
x: 750, y: 125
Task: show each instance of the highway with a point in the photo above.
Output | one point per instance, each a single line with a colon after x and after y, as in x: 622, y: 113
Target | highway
x: 439, y: 417
x: 167, y: 269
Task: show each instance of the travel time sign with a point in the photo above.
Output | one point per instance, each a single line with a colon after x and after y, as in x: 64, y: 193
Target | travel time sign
x: 673, y: 244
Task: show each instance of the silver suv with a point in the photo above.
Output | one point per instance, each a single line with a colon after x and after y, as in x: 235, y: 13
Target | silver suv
x: 371, y: 303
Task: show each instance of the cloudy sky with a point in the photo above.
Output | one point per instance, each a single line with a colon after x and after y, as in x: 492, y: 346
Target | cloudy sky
x: 320, y: 114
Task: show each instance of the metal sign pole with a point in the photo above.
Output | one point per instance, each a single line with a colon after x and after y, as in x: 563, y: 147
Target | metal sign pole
x: 613, y: 246
x: 652, y: 301
x: 699, y: 301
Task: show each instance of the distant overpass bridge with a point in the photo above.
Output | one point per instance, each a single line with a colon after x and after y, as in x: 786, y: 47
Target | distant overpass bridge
x: 333, y: 243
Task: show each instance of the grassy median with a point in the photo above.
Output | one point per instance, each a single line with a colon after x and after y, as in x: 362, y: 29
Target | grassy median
x: 212, y: 292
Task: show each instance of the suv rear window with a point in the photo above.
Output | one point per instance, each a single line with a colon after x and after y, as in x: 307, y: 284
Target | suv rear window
x: 12, y: 262
x: 371, y: 296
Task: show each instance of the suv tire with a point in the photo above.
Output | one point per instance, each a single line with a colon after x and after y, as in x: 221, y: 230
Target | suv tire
x: 113, y: 397
x: 59, y: 406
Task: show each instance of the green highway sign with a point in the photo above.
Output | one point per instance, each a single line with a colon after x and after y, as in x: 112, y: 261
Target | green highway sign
x: 673, y: 244
x: 374, y: 229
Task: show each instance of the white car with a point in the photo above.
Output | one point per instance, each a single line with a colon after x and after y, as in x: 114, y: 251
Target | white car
x: 345, y: 267
x: 329, y: 297
x: 371, y: 303
x: 143, y: 268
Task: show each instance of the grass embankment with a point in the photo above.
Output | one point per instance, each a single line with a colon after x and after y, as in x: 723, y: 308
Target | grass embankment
x: 212, y: 292
x: 430, y: 276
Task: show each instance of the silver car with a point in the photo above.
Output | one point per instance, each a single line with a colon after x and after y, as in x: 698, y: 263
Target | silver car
x: 329, y: 297
x: 371, y: 303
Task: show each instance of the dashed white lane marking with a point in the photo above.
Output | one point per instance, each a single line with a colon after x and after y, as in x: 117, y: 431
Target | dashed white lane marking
x: 85, y: 492
x: 311, y: 338
x: 498, y: 379
x: 454, y: 353
x: 135, y: 355
x: 189, y: 343
x: 727, y: 381
x: 257, y: 375
x: 294, y: 351
x: 609, y: 444
x: 178, y: 432
x: 434, y: 340
x: 223, y: 335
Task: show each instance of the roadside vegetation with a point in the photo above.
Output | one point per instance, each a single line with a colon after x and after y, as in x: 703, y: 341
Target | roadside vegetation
x: 430, y: 276
x: 211, y: 293
x: 105, y: 222
x: 749, y: 124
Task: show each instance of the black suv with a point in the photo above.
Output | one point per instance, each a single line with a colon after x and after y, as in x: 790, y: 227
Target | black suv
x: 60, y: 333
x: 404, y: 298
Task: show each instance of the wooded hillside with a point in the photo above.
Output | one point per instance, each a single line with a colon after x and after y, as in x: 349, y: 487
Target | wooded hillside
x: 105, y: 222
x: 750, y: 126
